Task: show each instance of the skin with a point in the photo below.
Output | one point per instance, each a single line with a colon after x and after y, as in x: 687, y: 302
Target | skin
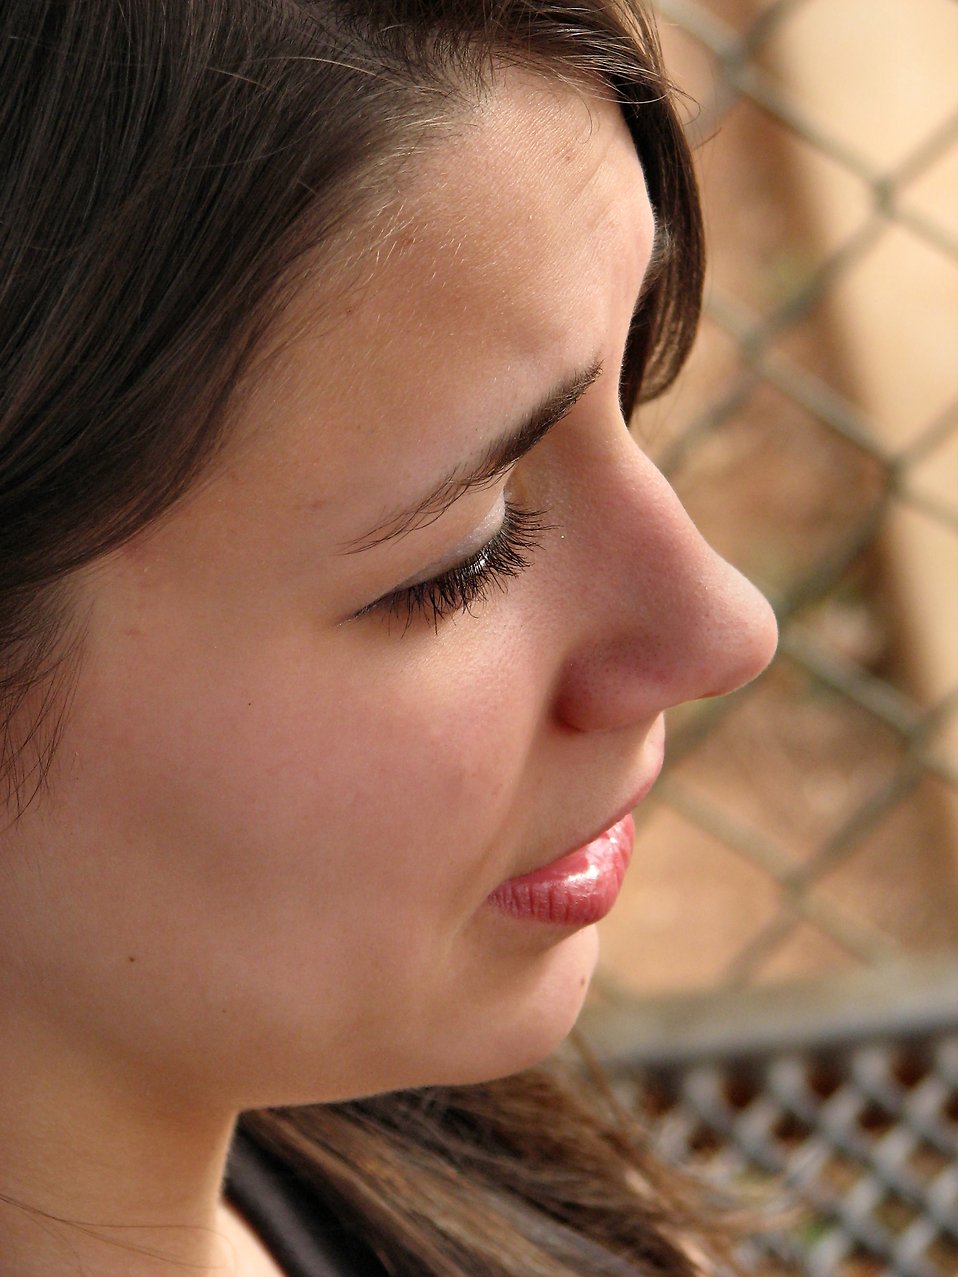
x: 260, y: 872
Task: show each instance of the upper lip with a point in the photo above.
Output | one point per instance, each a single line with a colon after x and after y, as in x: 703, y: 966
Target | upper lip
x: 638, y: 793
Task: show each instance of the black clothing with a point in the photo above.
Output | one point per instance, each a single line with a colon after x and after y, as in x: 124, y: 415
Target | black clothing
x: 287, y: 1212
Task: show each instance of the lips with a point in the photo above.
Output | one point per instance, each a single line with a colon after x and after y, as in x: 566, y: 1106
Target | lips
x: 575, y: 890
x: 581, y: 886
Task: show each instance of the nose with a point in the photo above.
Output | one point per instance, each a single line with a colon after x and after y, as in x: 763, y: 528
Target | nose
x: 657, y: 616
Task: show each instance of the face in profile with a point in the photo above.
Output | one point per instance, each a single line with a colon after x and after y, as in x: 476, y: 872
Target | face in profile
x: 411, y: 642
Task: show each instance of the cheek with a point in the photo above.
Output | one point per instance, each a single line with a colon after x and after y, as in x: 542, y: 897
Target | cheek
x: 289, y: 761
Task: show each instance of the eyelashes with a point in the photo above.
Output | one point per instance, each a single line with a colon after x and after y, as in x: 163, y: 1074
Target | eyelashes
x: 505, y: 555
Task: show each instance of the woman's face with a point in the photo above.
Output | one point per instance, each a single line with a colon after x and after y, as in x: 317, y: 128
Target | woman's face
x: 287, y: 788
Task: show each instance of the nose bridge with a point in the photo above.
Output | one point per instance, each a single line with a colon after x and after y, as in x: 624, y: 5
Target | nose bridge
x: 663, y: 618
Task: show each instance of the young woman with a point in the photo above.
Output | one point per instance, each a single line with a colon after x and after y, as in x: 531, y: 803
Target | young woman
x: 338, y: 614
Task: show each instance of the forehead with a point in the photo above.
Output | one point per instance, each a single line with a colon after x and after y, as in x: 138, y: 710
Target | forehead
x: 508, y: 241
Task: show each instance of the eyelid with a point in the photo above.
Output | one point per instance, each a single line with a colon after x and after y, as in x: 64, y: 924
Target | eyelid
x: 505, y: 554
x: 464, y: 550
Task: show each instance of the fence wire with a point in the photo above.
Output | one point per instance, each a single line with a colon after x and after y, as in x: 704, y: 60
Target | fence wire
x: 867, y: 1140
x: 807, y: 829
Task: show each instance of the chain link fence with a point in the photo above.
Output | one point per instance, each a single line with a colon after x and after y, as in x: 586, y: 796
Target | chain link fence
x: 779, y: 990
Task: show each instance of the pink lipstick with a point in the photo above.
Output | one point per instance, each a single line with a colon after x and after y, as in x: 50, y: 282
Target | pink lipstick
x: 577, y: 889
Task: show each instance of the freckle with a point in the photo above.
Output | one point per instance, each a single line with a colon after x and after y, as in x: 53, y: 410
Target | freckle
x: 131, y: 958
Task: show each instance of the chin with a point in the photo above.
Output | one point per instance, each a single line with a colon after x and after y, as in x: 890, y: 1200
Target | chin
x: 525, y: 1012
x: 534, y: 1017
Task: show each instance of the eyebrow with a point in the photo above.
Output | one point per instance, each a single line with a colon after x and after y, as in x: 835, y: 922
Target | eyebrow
x: 498, y: 456
x: 503, y: 452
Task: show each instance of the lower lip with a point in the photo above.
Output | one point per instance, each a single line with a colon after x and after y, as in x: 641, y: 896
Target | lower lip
x: 576, y: 890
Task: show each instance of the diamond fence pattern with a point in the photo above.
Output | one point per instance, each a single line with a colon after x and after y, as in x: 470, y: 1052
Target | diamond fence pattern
x: 806, y: 830
x: 834, y: 1111
x: 867, y: 1140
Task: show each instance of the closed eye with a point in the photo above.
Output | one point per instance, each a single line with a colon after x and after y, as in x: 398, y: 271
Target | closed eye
x: 506, y: 554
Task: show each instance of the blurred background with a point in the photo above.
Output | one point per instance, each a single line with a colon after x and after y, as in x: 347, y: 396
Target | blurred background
x: 779, y: 988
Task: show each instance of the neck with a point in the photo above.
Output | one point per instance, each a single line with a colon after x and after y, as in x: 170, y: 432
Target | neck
x: 102, y: 1174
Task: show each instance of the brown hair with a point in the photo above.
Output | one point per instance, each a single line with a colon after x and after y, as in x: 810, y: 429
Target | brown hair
x: 542, y: 1174
x: 166, y: 166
